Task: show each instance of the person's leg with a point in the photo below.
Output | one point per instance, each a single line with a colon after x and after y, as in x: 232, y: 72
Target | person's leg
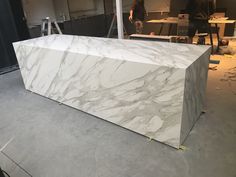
x: 191, y: 31
x: 202, y: 26
x: 139, y: 26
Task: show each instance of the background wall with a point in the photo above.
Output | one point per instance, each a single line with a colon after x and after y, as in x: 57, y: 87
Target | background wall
x: 87, y: 11
x: 8, y: 34
x: 230, y: 7
x: 151, y: 5
x: 76, y: 8
x: 61, y: 9
x: 176, y: 6
x: 36, y: 10
x: 81, y: 5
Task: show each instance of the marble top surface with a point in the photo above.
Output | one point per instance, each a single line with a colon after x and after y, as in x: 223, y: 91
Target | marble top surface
x: 149, y: 52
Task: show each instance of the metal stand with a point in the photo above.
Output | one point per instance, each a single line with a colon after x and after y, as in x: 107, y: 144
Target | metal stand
x: 113, y: 26
x: 49, y: 30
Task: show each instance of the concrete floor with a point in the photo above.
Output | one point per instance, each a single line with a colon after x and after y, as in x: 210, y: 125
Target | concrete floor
x: 52, y: 140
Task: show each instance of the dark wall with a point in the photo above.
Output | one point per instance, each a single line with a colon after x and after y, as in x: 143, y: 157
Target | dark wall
x: 19, y: 19
x: 8, y: 34
x: 176, y: 6
x: 230, y: 6
x: 12, y: 28
x: 87, y: 26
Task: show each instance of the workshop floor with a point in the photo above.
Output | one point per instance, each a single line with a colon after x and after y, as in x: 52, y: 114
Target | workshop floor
x: 39, y: 137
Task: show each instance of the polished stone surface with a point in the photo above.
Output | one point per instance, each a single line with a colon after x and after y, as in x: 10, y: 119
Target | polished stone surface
x: 154, y: 89
x: 147, y: 52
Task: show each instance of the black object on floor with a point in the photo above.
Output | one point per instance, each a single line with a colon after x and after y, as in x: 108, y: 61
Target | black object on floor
x: 215, y: 62
x: 8, y: 70
x: 3, y: 172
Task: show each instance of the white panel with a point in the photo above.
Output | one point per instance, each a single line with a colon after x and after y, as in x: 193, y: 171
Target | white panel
x: 81, y: 5
x: 36, y: 10
x: 157, y: 5
x: 151, y: 5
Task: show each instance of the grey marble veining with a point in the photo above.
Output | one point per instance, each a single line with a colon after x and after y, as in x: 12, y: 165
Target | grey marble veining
x: 163, y: 54
x: 155, y: 89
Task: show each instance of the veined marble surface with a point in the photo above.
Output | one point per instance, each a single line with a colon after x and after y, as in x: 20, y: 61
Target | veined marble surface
x: 157, y: 53
x: 138, y: 85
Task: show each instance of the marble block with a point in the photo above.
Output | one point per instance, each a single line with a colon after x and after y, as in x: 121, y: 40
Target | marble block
x: 155, y: 89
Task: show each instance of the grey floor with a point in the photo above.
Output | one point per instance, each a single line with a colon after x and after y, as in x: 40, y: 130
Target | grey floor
x: 40, y: 138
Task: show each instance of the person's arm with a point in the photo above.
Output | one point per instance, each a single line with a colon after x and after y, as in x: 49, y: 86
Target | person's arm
x: 131, y: 13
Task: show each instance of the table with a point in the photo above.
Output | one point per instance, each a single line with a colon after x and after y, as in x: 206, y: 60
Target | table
x: 174, y: 20
x: 216, y: 22
x: 169, y: 20
x: 155, y: 89
x: 151, y: 37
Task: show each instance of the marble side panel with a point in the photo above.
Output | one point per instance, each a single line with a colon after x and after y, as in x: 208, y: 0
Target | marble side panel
x: 144, y: 98
x: 194, y: 94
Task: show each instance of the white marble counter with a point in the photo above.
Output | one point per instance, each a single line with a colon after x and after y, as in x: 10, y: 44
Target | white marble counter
x: 155, y: 89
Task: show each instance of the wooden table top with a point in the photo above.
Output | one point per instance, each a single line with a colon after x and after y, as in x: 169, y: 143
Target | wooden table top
x: 222, y: 21
x: 174, y: 20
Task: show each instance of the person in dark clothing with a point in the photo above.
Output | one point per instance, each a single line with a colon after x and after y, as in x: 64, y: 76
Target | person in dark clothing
x: 137, y: 15
x: 199, y: 13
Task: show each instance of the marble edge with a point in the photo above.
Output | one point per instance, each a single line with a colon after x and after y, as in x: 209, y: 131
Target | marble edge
x: 25, y: 43
x: 181, y: 125
x: 21, y: 43
x: 143, y: 41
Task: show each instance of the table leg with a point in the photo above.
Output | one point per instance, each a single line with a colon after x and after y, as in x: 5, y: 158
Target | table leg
x: 211, y: 38
x: 161, y: 28
x: 218, y: 37
x: 170, y: 29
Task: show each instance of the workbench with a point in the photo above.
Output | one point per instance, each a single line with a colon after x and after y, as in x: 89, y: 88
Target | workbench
x: 174, y: 20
